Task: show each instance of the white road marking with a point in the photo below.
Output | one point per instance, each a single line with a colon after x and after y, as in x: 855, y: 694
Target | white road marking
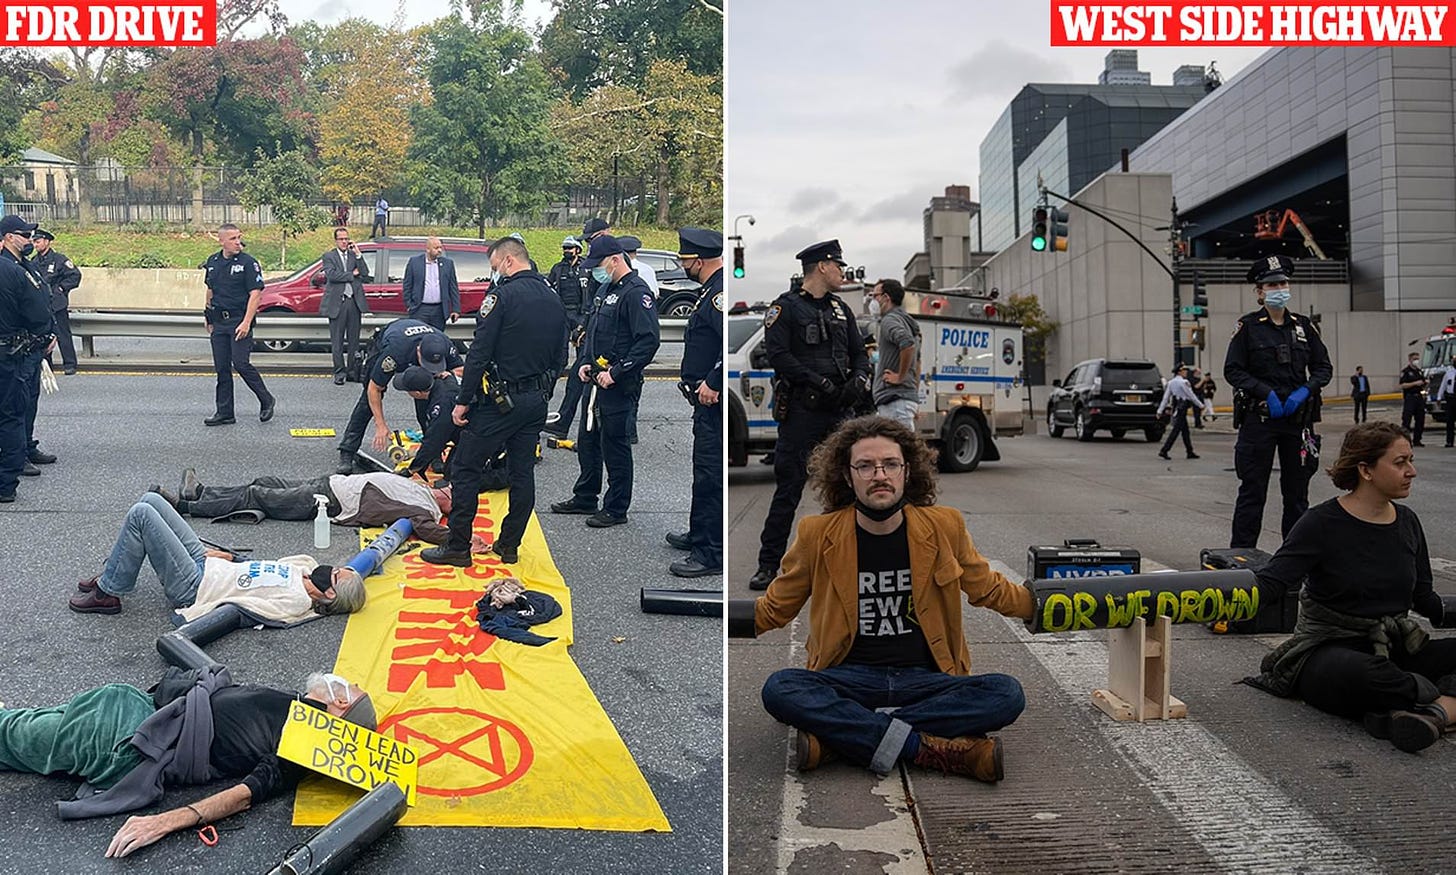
x: 1241, y: 819
x: 896, y: 835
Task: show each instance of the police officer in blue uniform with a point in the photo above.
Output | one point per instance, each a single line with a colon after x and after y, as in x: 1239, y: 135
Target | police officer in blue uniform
x: 701, y: 252
x: 821, y: 374
x: 396, y: 346
x: 234, y: 282
x: 620, y: 341
x: 25, y: 324
x: 63, y: 276
x: 1277, y: 363
x: 510, y: 370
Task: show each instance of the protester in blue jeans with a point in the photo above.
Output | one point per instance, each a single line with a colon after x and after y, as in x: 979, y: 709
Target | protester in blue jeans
x: 883, y: 569
x: 287, y: 591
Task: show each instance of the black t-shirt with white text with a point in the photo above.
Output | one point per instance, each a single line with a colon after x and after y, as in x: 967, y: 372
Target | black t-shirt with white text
x: 887, y: 632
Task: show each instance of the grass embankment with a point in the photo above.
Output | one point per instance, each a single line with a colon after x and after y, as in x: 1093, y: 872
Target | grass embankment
x: 106, y: 246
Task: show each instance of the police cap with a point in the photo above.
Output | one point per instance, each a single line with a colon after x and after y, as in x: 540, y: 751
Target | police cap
x: 433, y: 349
x: 414, y: 379
x: 602, y: 248
x: 1273, y: 269
x: 630, y: 244
x: 699, y: 243
x: 594, y: 225
x: 827, y: 251
x: 42, y: 234
x: 15, y: 225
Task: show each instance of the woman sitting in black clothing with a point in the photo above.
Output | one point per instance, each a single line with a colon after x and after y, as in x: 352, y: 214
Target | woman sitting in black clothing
x: 1354, y: 650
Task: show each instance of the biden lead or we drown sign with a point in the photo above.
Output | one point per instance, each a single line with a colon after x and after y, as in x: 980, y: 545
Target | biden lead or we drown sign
x: 335, y: 747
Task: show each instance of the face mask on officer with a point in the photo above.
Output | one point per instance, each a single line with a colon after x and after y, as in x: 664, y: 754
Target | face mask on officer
x: 1278, y: 298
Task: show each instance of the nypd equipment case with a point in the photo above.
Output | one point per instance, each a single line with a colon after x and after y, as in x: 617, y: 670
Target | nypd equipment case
x: 1081, y: 557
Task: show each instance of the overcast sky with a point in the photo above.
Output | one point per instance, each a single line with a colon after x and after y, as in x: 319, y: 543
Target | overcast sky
x: 844, y: 117
x: 536, y: 12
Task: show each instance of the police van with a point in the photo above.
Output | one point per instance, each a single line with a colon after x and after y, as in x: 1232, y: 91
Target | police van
x: 1436, y: 353
x: 971, y: 381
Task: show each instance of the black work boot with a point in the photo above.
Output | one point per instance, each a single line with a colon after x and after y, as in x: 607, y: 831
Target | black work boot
x: 346, y: 463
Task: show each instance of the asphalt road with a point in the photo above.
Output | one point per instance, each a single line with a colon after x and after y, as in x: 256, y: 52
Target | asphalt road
x: 114, y: 434
x: 1247, y: 783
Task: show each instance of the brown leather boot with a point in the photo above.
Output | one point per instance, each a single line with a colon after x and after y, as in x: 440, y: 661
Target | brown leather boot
x: 968, y: 755
x: 812, y: 753
x: 95, y: 602
x: 1419, y: 728
x: 88, y: 585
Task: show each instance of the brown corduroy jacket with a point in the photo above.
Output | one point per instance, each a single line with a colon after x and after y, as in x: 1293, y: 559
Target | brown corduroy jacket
x: 822, y: 566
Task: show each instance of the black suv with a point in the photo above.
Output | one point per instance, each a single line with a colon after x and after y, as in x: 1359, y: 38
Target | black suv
x: 1117, y: 395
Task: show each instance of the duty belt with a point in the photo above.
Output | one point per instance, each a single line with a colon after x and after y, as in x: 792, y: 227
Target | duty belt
x: 538, y: 383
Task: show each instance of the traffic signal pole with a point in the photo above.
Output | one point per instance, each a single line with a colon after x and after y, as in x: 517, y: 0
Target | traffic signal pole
x: 1175, y: 242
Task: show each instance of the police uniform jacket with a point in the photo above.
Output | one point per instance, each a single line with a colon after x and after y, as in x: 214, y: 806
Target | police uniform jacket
x: 520, y: 336
x: 1264, y: 357
x: 624, y: 330
x: 24, y: 307
x: 573, y: 284
x: 703, y: 338
x: 398, y: 348
x: 232, y: 280
x: 61, y: 274
x: 811, y: 340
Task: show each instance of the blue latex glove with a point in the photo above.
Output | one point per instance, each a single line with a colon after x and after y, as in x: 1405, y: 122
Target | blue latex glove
x: 1276, y: 407
x: 1296, y: 398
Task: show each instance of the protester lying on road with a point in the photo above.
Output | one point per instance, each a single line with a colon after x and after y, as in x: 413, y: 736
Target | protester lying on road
x: 111, y: 736
x: 882, y: 570
x: 1355, y: 651
x: 287, y: 591
x: 378, y: 498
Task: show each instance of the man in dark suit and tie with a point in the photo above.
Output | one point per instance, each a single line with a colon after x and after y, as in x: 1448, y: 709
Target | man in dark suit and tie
x: 431, y: 291
x: 345, y: 273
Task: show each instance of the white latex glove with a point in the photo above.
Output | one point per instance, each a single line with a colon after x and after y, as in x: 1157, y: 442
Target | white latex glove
x: 47, y: 377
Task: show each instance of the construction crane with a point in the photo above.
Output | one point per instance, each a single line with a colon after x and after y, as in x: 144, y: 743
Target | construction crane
x: 1269, y: 225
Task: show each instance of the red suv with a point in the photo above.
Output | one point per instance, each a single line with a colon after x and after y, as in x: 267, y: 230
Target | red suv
x: 301, y: 292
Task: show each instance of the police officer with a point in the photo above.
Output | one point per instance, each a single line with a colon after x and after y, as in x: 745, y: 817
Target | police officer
x: 63, y: 276
x: 518, y: 351
x: 234, y: 282
x: 1413, y: 399
x: 396, y: 346
x: 1277, y: 363
x: 620, y: 340
x: 701, y: 252
x: 821, y: 373
x: 25, y: 324
x: 572, y: 284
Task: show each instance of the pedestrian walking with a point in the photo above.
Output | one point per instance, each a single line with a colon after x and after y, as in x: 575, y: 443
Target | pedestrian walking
x: 1178, y: 399
x: 381, y: 218
x: 234, y: 281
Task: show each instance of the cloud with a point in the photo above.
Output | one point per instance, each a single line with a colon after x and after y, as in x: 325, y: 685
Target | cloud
x: 908, y: 204
x: 813, y: 200
x: 998, y: 70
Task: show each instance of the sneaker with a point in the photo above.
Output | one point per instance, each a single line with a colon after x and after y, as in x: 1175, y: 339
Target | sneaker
x: 95, y: 602
x: 166, y: 496
x: 974, y: 757
x: 191, y: 487
x: 811, y: 753
x: 602, y: 520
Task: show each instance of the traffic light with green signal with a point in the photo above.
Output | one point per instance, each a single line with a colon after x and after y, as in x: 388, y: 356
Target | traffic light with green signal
x: 739, y: 272
x: 1039, y: 229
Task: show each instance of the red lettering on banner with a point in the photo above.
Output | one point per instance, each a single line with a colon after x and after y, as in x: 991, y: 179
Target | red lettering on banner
x: 454, y: 649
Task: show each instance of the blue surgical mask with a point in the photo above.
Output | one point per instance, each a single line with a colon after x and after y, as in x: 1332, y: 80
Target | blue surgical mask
x: 874, y: 356
x: 600, y: 274
x: 1277, y: 299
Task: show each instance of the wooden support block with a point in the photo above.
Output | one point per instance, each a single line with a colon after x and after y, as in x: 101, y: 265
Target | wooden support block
x: 1139, y: 673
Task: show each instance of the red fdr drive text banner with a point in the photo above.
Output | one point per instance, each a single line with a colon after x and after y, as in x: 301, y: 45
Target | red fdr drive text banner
x: 1252, y: 24
x: 59, y: 24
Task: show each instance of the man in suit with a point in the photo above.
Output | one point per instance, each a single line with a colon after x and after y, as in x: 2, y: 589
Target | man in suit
x: 431, y: 290
x: 345, y: 273
x: 1360, y: 393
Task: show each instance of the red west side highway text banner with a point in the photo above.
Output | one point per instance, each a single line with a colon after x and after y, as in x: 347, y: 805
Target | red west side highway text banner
x: 108, y: 24
x: 1251, y: 24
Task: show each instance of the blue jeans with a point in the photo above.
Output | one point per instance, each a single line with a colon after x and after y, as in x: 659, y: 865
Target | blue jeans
x: 153, y: 531
x: 840, y: 705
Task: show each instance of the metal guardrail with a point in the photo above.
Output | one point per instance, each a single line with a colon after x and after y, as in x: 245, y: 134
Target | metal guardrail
x: 87, y: 324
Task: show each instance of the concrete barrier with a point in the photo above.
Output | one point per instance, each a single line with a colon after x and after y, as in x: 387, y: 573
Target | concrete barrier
x: 128, y: 288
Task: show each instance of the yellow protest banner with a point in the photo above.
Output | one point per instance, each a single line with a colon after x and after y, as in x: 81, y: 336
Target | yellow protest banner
x: 310, y: 432
x: 508, y: 734
x: 332, y: 746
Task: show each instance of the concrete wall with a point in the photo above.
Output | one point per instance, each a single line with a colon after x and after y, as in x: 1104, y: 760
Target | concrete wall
x: 118, y: 288
x: 1111, y: 299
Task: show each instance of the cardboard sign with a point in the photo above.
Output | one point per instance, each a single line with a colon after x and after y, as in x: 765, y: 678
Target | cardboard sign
x: 332, y: 746
x: 310, y: 432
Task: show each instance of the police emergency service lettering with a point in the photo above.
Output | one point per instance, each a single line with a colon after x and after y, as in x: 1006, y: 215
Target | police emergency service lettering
x: 885, y: 607
x: 1074, y: 611
x: 339, y: 749
x: 970, y: 338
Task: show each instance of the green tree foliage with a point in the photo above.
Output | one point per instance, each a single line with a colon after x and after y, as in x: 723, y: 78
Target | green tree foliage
x: 26, y: 80
x: 481, y: 147
x: 1035, y: 325
x: 284, y: 182
x: 592, y: 43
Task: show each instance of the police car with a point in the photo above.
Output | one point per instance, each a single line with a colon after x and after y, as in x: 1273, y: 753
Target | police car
x: 971, y: 371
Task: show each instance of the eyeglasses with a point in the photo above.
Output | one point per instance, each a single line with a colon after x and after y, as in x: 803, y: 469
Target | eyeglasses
x: 866, y: 470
